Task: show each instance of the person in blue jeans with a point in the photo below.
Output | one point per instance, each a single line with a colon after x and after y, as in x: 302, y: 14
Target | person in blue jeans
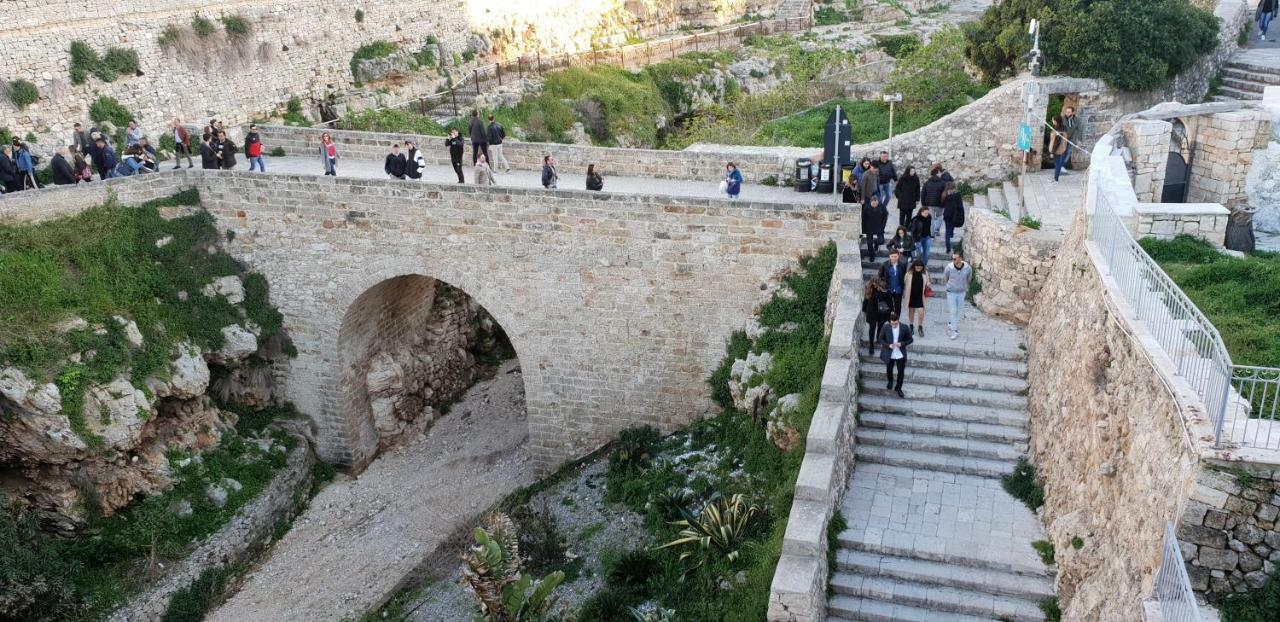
x: 955, y: 279
x: 1058, y: 146
x: 894, y: 273
x: 1266, y: 11
x: 952, y: 212
x: 922, y: 231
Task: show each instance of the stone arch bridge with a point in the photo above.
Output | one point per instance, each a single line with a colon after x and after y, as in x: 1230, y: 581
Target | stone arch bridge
x: 618, y: 306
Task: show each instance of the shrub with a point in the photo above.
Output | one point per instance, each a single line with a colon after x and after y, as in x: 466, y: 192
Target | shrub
x: 293, y: 113
x: 36, y: 582
x: 721, y: 527
x: 628, y: 104
x: 426, y: 57
x: 1131, y: 45
x: 84, y: 61
x: 1052, y: 611
x: 375, y: 49
x: 359, y: 16
x: 118, y: 62
x: 1258, y: 605
x: 202, y: 26
x: 468, y: 56
x: 493, y: 573
x: 191, y: 603
x: 1029, y: 222
x: 1021, y: 484
x: 23, y: 93
x: 1045, y: 549
x: 633, y: 571
x: 541, y: 543
x: 110, y: 110
x: 933, y: 75
x: 278, y: 152
x: 828, y: 16
x: 634, y: 445
x: 169, y: 37
x: 608, y: 605
x: 898, y: 46
x: 236, y: 26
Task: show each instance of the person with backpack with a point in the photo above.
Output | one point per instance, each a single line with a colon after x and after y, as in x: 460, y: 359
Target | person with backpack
x: 457, y: 146
x: 181, y: 144
x: 497, y: 134
x: 952, y: 212
x: 876, y: 307
x: 26, y: 165
x: 931, y: 191
x: 253, y: 149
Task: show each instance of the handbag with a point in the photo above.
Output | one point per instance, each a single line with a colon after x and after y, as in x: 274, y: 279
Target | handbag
x: 724, y: 185
x: 928, y: 291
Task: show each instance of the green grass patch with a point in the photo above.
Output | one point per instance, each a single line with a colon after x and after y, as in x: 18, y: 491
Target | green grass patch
x: 114, y: 63
x: 1021, y: 485
x: 869, y: 120
x: 23, y: 93
x: 1029, y: 222
x: 898, y: 46
x: 375, y: 49
x: 202, y: 26
x: 1045, y: 550
x: 236, y: 26
x: 1259, y: 605
x: 1240, y: 296
x: 191, y: 603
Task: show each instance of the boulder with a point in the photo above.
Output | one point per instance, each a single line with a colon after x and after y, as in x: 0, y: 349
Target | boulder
x: 189, y: 373
x: 116, y: 412
x: 238, y: 343
x: 229, y: 287
x: 131, y: 332
x: 217, y: 495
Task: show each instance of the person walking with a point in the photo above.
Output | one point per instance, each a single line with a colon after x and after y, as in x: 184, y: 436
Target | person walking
x: 497, y: 134
x: 732, y: 180
x: 873, y: 219
x: 1058, y: 146
x: 902, y: 241
x: 208, y: 157
x: 1266, y: 11
x: 850, y: 193
x: 457, y: 146
x: 394, y: 164
x: 952, y: 212
x: 484, y: 174
x: 225, y: 150
x: 328, y: 155
x: 1072, y: 126
x: 253, y: 149
x: 63, y: 175
x: 550, y: 179
x: 414, y: 163
x: 908, y: 194
x: 921, y: 228
x: 479, y: 137
x: 894, y: 273
x: 104, y: 158
x: 894, y: 339
x: 918, y: 286
x: 132, y: 135
x: 955, y: 278
x: 8, y: 170
x: 181, y: 144
x: 876, y: 307
x: 888, y: 177
x: 870, y: 184
x: 931, y: 191
x: 860, y: 169
x: 595, y: 181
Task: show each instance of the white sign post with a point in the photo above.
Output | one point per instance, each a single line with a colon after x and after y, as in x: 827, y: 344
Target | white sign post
x: 892, y: 99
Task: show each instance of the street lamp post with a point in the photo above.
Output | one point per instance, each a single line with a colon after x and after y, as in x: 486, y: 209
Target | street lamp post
x: 1032, y: 88
x: 892, y: 99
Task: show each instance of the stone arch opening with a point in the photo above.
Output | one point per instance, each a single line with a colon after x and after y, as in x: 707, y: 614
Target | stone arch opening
x: 408, y: 348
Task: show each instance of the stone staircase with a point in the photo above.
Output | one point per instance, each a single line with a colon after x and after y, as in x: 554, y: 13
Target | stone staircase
x: 792, y: 9
x: 931, y: 533
x: 1242, y: 80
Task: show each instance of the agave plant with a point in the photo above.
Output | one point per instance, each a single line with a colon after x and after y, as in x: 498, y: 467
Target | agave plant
x: 493, y: 573
x: 650, y: 612
x: 720, y: 526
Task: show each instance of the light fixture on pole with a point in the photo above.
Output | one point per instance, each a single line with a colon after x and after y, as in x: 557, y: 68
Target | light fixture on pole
x: 891, y: 98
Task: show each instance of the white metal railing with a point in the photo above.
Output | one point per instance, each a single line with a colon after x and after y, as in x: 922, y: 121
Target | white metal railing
x: 1173, y: 588
x: 1243, y: 402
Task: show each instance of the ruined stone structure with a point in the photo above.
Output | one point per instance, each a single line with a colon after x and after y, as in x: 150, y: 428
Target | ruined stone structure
x: 283, y: 56
x: 617, y: 306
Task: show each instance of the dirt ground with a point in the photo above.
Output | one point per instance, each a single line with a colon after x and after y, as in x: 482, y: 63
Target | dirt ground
x: 360, y: 537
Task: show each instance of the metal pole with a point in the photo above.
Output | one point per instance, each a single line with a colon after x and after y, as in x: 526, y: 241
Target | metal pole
x: 520, y: 66
x: 539, y: 62
x: 891, y: 129
x: 497, y: 67
x: 475, y: 74
x: 454, y: 93
x: 835, y: 167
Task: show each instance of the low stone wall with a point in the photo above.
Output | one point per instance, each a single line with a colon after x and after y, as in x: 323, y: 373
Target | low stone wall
x: 238, y: 542
x: 798, y: 593
x: 58, y: 201
x: 1164, y: 221
x: 1230, y: 532
x: 1011, y: 262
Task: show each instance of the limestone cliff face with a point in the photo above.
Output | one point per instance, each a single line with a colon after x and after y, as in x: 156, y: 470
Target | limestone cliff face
x: 130, y: 425
x: 1107, y: 441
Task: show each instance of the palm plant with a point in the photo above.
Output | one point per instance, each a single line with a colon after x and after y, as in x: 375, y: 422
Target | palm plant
x: 493, y: 573
x: 720, y: 526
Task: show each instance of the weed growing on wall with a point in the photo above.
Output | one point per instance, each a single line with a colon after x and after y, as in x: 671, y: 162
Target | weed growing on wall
x: 114, y: 63
x: 23, y: 93
x: 374, y: 49
x: 202, y: 26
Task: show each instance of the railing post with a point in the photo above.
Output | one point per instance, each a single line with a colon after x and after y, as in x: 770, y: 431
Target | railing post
x: 497, y: 68
x: 622, y: 56
x: 539, y: 53
x: 454, y: 94
x: 520, y: 66
x: 475, y: 74
x: 1222, y: 406
x: 648, y: 53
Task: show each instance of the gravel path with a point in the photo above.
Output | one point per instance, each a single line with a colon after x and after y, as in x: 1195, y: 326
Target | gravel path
x: 361, y: 537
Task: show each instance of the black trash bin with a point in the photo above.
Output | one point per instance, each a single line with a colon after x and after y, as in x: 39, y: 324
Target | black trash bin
x: 803, y: 183
x: 824, y: 178
x: 846, y: 171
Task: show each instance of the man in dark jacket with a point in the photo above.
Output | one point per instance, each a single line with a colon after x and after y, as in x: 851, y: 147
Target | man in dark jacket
x: 63, y: 175
x: 931, y: 193
x: 225, y: 150
x: 151, y: 159
x: 208, y: 155
x: 8, y: 170
x: 456, y: 146
x: 104, y: 158
x: 497, y: 134
x: 894, y: 273
x: 479, y: 138
x: 81, y: 141
x: 888, y: 175
x: 394, y: 165
x: 894, y: 339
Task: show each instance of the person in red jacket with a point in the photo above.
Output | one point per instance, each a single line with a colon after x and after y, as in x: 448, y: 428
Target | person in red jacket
x: 253, y: 149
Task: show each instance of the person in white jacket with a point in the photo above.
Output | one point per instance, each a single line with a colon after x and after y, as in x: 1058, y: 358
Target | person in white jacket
x: 414, y: 162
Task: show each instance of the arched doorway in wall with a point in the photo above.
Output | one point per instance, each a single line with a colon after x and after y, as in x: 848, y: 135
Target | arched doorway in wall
x: 410, y: 347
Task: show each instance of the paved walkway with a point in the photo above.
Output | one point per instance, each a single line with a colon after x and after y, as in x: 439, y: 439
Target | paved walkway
x: 1054, y: 204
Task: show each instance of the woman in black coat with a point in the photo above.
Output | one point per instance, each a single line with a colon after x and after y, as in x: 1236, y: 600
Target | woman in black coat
x: 908, y: 193
x: 876, y: 305
x: 952, y: 212
x: 874, y: 218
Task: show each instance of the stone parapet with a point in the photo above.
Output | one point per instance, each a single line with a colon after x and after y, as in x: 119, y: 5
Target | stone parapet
x: 1012, y: 262
x: 1164, y: 221
x: 798, y: 592
x: 1230, y: 530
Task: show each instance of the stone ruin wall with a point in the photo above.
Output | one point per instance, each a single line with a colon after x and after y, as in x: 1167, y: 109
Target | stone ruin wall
x: 1107, y: 440
x: 1011, y: 261
x: 299, y: 48
x: 1230, y: 531
x: 410, y: 347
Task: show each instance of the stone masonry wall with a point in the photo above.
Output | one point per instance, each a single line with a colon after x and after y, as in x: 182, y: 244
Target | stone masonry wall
x: 1148, y: 144
x: 1230, y: 532
x: 1224, y: 146
x: 618, y: 306
x: 1107, y: 439
x: 1165, y: 221
x: 1011, y: 261
x: 296, y: 48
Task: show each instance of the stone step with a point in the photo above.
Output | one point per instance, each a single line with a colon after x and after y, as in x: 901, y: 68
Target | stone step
x: 858, y: 609
x: 980, y: 201
x: 949, y: 603
x: 941, y: 378
x: 1244, y: 85
x: 1014, y: 436
x: 995, y: 195
x: 985, y: 580
x: 1231, y: 93
x: 947, y: 463
x: 952, y: 362
x: 1237, y: 72
x: 950, y: 395
x: 940, y: 410
x: 936, y: 342
x: 940, y: 444
x: 1012, y: 199
x: 1240, y: 65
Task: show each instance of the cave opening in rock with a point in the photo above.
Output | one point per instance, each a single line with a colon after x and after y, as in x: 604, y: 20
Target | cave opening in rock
x: 411, y: 346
